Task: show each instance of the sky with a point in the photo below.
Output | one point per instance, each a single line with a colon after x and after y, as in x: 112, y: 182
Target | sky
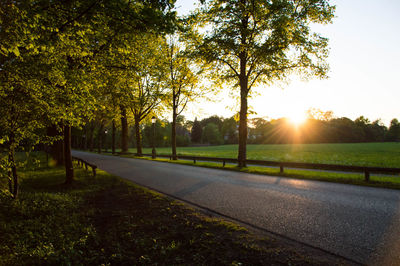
x: 364, y: 41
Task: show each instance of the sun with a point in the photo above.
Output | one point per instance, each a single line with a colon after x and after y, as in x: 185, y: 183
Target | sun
x: 297, y: 118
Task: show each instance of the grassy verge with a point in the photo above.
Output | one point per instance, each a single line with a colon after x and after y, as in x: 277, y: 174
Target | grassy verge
x: 361, y: 154
x: 392, y: 182
x: 107, y: 221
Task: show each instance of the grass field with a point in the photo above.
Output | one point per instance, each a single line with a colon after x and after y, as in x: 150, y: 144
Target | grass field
x: 358, y: 154
x: 108, y: 221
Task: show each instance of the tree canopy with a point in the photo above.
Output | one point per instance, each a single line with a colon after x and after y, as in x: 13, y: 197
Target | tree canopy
x: 248, y: 42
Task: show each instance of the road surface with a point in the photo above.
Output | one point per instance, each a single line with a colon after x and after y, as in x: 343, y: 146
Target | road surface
x: 359, y: 223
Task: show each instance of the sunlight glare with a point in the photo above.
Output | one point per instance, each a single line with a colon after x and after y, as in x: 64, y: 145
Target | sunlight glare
x: 297, y: 118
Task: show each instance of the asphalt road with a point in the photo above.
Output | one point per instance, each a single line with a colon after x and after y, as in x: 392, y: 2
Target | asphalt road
x: 359, y: 223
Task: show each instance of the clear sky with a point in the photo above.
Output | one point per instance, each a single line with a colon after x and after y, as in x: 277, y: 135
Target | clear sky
x: 364, y: 76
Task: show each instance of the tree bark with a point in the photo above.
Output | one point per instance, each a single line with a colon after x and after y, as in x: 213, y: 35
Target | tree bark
x: 13, y: 176
x: 69, y: 170
x: 173, y: 133
x: 242, y: 131
x: 244, y: 84
x: 10, y: 187
x: 138, y: 138
x: 243, y: 79
x: 15, y: 179
x: 85, y: 141
x: 90, y: 137
x: 124, y: 135
x: 113, y: 137
x: 100, y: 138
x: 57, y: 148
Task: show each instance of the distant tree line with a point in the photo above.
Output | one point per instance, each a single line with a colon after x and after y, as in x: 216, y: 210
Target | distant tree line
x: 335, y: 130
x: 215, y: 130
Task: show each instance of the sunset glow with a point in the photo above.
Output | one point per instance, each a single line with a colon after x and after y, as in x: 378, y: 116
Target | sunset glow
x: 297, y: 118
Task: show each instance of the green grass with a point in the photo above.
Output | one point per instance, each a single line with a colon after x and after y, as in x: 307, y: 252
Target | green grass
x: 108, y: 221
x: 358, y: 154
x: 383, y: 181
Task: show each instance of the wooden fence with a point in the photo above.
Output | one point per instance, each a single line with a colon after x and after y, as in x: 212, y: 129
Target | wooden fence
x: 311, y: 166
x: 82, y: 163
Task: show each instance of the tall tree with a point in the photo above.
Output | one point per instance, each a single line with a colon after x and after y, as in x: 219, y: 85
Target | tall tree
x: 62, y: 40
x: 253, y: 41
x: 85, y: 30
x: 182, y: 82
x: 197, y: 131
x: 24, y: 98
x: 138, y: 73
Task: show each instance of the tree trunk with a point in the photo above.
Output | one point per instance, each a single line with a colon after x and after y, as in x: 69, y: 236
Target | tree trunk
x: 69, y: 170
x: 124, y: 135
x: 90, y: 138
x: 85, y: 141
x: 243, y: 112
x: 137, y: 133
x: 15, y: 180
x: 242, y: 131
x: 57, y: 149
x: 10, y: 187
x: 113, y: 137
x: 100, y: 138
x: 13, y: 177
x: 173, y: 133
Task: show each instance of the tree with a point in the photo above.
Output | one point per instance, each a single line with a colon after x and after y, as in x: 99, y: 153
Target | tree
x: 139, y: 75
x: 24, y: 98
x: 315, y: 113
x: 212, y: 135
x: 393, y: 133
x: 62, y: 40
x: 253, y: 41
x: 182, y: 82
x: 197, y: 131
x: 23, y: 114
x: 215, y: 119
x: 229, y: 130
x: 378, y: 131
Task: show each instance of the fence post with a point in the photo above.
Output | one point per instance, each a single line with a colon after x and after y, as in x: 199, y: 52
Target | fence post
x: 366, y: 175
x: 223, y: 163
x: 281, y: 169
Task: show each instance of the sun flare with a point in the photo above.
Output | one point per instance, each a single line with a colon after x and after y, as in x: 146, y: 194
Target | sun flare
x: 297, y: 118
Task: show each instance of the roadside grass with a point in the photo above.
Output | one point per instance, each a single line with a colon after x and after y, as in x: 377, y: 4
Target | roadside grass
x: 108, y: 221
x: 383, y: 181
x: 357, y: 154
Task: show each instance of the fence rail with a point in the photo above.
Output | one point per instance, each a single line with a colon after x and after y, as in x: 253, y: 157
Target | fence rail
x: 312, y: 166
x: 82, y: 163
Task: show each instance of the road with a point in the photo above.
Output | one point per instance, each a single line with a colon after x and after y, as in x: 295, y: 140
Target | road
x: 359, y: 223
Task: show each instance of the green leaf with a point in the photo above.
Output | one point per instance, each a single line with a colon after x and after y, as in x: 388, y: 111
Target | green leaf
x: 16, y: 51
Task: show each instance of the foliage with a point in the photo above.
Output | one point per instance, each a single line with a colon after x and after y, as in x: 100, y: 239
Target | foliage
x: 229, y: 130
x: 251, y: 42
x: 212, y: 135
x: 197, y: 131
x: 393, y: 133
x: 182, y: 81
x: 50, y: 58
x: 137, y: 69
